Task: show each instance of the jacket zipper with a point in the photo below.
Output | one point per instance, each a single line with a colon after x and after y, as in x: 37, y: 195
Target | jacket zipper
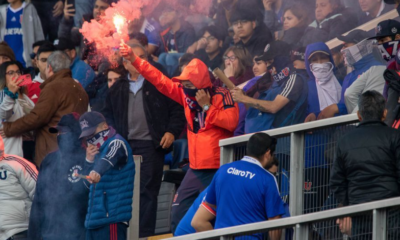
x: 105, y: 202
x: 91, y: 201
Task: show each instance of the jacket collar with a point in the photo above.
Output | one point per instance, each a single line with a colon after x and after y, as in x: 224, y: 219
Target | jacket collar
x: 65, y: 73
x: 372, y: 122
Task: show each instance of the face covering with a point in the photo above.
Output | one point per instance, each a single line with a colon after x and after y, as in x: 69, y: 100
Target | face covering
x: 355, y: 53
x: 323, y: 72
x: 191, y: 99
x: 99, y: 138
x: 328, y: 87
x: 389, y: 49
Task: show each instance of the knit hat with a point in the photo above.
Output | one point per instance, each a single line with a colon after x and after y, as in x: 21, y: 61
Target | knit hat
x: 5, y: 50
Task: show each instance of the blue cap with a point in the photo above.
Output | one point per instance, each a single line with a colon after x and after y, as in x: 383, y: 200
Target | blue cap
x: 89, y: 122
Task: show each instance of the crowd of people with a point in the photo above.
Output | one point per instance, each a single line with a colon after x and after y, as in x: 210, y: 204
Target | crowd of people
x: 69, y: 134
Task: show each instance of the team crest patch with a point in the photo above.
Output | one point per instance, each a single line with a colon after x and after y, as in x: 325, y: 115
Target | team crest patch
x: 84, y: 124
x: 307, y: 186
x: 394, y: 30
x: 73, y: 174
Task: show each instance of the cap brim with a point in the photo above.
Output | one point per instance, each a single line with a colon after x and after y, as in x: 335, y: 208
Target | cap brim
x: 265, y: 57
x: 88, y: 132
x: 345, y: 39
x: 179, y: 78
x: 312, y: 54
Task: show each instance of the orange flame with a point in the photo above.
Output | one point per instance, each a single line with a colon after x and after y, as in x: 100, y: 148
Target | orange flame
x: 119, y: 22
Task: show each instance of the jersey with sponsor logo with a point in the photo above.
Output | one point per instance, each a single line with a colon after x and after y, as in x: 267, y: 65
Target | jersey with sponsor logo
x: 13, y: 35
x: 244, y: 192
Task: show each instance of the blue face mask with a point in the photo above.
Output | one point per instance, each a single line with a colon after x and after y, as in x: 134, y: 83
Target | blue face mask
x: 389, y: 49
x: 190, y: 92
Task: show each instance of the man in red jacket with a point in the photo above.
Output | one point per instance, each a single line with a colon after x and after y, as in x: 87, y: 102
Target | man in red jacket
x: 211, y: 116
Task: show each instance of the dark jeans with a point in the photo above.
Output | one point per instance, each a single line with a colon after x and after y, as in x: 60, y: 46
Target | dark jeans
x: 193, y: 184
x: 115, y: 231
x: 151, y: 172
x: 49, y: 23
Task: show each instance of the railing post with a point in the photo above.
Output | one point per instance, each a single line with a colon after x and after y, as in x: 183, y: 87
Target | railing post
x: 226, y: 238
x: 302, y: 231
x: 296, y: 173
x: 133, y: 230
x: 226, y: 155
x: 379, y: 224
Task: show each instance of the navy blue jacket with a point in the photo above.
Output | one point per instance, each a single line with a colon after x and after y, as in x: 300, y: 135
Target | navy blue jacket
x: 61, y: 200
x: 110, y: 200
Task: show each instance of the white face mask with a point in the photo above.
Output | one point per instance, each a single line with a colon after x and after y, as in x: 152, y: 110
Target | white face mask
x: 323, y: 72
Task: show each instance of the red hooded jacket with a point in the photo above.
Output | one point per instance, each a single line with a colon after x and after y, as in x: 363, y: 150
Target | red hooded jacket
x: 221, y: 119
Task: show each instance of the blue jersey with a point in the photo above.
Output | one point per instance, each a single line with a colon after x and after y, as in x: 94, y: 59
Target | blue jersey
x: 244, y: 192
x: 185, y: 225
x: 151, y: 29
x: 13, y: 34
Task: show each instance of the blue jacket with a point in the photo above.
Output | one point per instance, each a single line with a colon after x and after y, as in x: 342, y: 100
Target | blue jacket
x: 360, y: 67
x: 61, y: 200
x: 313, y: 100
x: 256, y: 120
x: 110, y: 200
x: 82, y: 72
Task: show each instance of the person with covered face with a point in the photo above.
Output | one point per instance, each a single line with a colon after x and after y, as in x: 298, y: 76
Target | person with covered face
x: 211, y: 115
x: 52, y: 207
x: 367, y: 73
x: 284, y: 103
x: 110, y: 161
x: 323, y: 87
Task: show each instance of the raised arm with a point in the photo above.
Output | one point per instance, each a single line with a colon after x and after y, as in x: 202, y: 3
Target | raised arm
x: 163, y: 84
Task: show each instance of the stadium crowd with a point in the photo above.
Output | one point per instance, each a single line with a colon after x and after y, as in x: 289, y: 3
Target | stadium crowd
x: 71, y: 119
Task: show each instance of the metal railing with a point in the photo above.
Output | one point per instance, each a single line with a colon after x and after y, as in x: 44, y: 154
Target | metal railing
x: 305, y: 224
x: 305, y: 152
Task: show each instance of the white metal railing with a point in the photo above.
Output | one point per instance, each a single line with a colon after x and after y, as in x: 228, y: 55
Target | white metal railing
x: 133, y: 229
x: 301, y: 223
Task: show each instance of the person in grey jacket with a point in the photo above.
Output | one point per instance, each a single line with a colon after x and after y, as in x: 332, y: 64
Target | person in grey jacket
x: 31, y: 28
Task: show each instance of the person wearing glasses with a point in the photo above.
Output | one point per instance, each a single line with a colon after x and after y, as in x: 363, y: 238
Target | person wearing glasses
x: 14, y: 103
x: 42, y: 54
x: 237, y: 66
x: 253, y: 33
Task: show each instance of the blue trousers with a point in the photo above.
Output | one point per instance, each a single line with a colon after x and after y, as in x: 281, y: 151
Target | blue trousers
x: 115, y: 231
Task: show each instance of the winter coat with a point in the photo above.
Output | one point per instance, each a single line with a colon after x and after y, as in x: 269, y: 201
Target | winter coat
x: 110, y: 200
x: 360, y: 68
x: 31, y: 29
x: 82, y: 72
x: 258, y: 41
x: 162, y: 114
x: 60, y: 196
x: 367, y: 164
x: 60, y: 95
x: 11, y: 110
x: 17, y: 188
x: 221, y: 118
x: 336, y: 23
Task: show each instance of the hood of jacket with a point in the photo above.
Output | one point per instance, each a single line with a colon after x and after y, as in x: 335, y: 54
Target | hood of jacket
x: 197, y: 73
x: 64, y: 73
x: 317, y: 47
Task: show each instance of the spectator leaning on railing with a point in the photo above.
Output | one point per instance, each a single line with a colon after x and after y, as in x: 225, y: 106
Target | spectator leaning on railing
x: 367, y: 165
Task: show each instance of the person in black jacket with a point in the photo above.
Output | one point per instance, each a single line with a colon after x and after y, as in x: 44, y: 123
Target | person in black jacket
x: 367, y: 165
x: 61, y: 198
x: 254, y: 34
x: 150, y: 122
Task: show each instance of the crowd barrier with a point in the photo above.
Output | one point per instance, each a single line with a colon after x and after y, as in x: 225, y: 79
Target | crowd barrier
x: 133, y: 229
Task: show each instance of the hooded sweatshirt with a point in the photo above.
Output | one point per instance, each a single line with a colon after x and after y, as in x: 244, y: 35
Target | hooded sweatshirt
x: 360, y: 67
x: 220, y: 121
x: 314, y: 105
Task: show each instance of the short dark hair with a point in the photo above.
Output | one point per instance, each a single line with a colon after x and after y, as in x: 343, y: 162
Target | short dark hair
x: 39, y: 43
x: 120, y: 69
x: 46, y: 47
x: 371, y: 106
x: 186, y: 59
x: 142, y: 38
x: 259, y: 144
x: 213, y: 31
